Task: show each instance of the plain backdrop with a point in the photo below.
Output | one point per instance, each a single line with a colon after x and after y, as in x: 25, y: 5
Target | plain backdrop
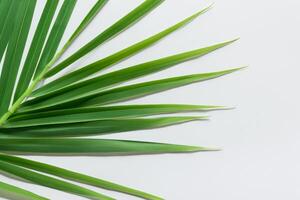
x: 260, y: 137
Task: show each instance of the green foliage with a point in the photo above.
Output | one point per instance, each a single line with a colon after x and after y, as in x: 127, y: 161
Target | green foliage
x: 20, y: 29
x: 47, y: 119
x: 12, y: 192
x: 73, y: 176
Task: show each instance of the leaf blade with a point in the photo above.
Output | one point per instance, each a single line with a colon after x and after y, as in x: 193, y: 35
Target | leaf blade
x: 92, y: 146
x: 116, y: 28
x: 6, y: 13
x: 50, y: 182
x: 99, y: 127
x: 10, y: 191
x: 125, y: 93
x: 112, y: 59
x: 22, y: 23
x: 143, y: 89
x: 74, y: 176
x: 101, y: 113
x: 87, y: 19
x: 55, y: 35
x: 106, y: 81
x: 36, y: 47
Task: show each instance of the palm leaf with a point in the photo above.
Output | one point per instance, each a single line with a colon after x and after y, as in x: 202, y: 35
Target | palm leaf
x: 100, y: 113
x: 85, y: 22
x: 13, y: 57
x: 110, y: 32
x: 55, y: 35
x: 110, y: 60
x: 120, y: 94
x: 7, y: 12
x: 12, y: 192
x: 36, y: 47
x: 46, y: 120
x: 48, y: 181
x: 91, y: 146
x: 74, y: 176
x: 99, y: 127
x: 134, y: 91
x: 54, y: 38
x: 105, y: 81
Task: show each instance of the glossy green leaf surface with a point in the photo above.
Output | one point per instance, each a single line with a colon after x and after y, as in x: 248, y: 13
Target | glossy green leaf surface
x: 101, y: 113
x: 21, y: 24
x: 99, y: 127
x: 128, y: 92
x: 75, y: 176
x: 113, y: 30
x: 58, y: 30
x: 12, y: 192
x: 142, y: 89
x: 92, y: 146
x: 36, y: 47
x: 88, y: 18
x: 7, y: 11
x: 50, y: 182
x: 110, y: 60
x: 57, y: 118
x: 85, y: 88
x: 55, y: 35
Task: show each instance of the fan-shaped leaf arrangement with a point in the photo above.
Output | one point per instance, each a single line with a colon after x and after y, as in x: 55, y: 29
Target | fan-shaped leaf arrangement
x: 47, y: 119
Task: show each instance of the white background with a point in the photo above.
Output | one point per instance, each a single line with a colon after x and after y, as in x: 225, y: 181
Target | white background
x: 260, y: 138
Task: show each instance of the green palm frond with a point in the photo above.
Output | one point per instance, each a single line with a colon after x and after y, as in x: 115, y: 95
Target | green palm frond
x: 49, y: 119
x: 12, y: 192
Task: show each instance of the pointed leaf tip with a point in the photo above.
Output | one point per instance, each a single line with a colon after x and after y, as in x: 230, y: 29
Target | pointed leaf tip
x: 202, y: 11
x: 231, y: 41
x: 225, y: 108
x: 233, y: 70
x: 208, y: 8
x: 197, y: 149
x: 101, y: 64
x: 93, y: 146
x: 73, y: 176
x: 12, y: 192
x: 200, y: 118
